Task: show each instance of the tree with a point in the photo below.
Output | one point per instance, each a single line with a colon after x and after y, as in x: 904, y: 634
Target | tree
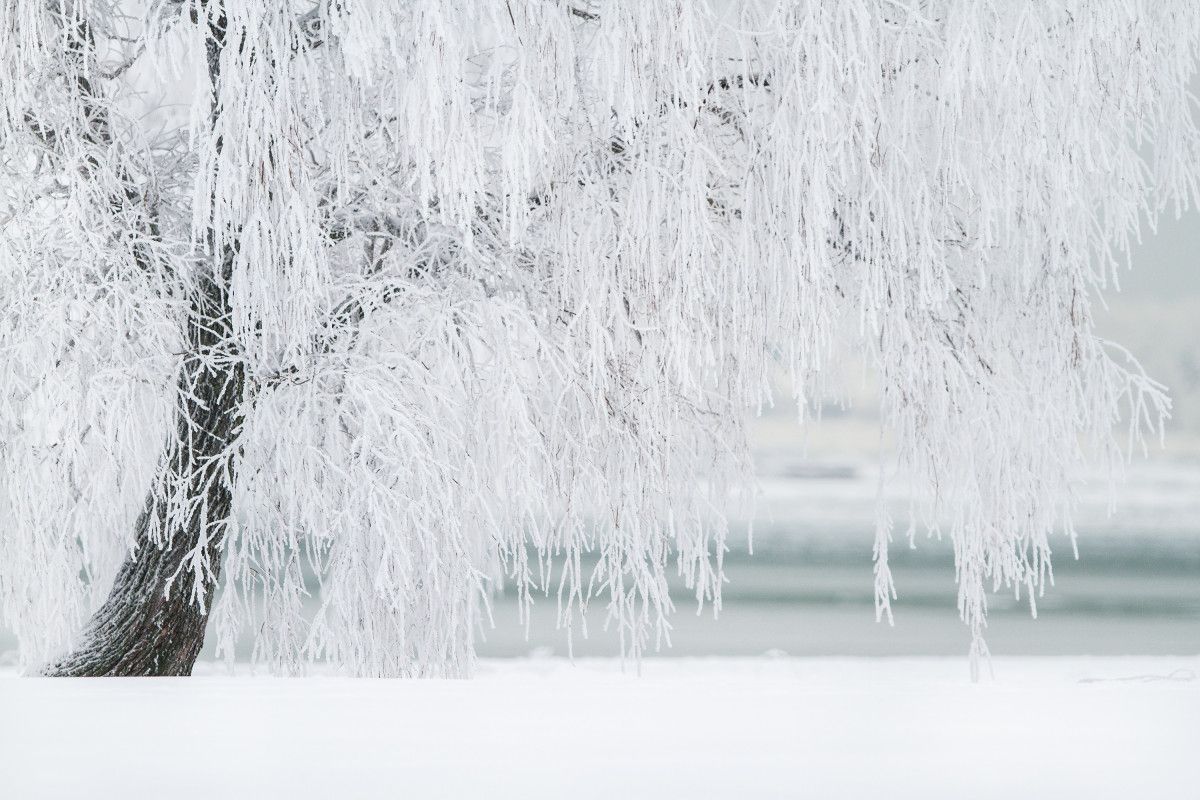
x: 430, y: 298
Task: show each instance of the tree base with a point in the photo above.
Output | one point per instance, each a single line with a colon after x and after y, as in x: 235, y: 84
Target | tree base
x: 143, y: 629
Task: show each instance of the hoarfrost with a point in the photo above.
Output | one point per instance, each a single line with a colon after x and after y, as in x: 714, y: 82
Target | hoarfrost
x: 505, y: 277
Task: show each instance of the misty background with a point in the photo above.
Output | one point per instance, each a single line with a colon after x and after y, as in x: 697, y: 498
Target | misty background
x: 808, y: 587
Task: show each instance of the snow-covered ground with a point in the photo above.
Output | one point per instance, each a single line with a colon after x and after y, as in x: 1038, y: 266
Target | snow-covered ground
x: 1115, y: 727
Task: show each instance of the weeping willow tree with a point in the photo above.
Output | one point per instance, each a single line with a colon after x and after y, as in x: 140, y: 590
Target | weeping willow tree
x: 430, y: 299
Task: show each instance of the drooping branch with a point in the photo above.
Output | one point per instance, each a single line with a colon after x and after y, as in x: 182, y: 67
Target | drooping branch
x: 129, y: 202
x: 342, y: 323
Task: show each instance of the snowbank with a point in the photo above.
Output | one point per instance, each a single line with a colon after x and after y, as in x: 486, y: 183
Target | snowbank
x: 738, y: 728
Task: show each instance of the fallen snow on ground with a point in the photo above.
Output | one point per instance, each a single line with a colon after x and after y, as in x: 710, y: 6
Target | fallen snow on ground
x: 704, y: 728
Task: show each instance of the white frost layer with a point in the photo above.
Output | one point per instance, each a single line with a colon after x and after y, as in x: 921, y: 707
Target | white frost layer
x: 748, y: 728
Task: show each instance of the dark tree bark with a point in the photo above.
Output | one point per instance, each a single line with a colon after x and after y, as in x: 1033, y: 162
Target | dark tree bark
x: 151, y: 623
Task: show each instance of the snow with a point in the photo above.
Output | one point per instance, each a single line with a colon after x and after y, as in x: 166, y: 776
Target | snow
x: 1078, y: 727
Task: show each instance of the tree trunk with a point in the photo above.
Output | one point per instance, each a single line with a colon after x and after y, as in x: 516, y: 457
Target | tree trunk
x: 151, y: 623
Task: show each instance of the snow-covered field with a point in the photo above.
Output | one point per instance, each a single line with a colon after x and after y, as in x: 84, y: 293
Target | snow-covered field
x: 1126, y: 727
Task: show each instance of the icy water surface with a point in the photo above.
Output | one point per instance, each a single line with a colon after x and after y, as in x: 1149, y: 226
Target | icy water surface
x: 807, y: 590
x: 815, y: 598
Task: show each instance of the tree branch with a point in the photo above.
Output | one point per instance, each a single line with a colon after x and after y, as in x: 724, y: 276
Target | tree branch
x: 579, y: 12
x: 347, y: 316
x: 128, y: 201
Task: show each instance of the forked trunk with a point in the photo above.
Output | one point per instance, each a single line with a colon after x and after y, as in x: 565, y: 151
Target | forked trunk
x: 151, y: 623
